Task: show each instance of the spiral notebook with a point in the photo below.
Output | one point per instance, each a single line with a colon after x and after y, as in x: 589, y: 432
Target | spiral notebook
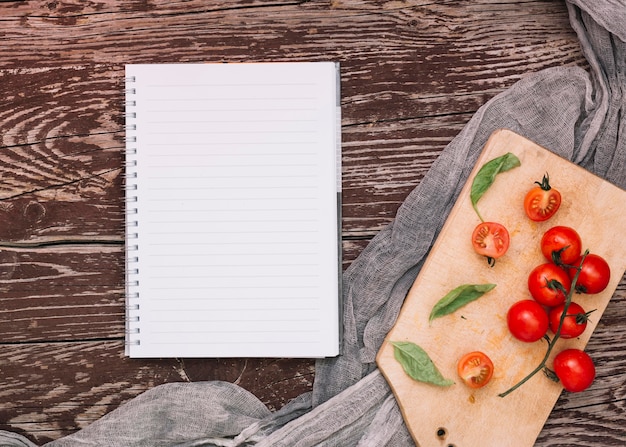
x: 233, y: 210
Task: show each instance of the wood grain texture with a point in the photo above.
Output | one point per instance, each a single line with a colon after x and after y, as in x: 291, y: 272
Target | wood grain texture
x: 65, y: 386
x: 413, y: 73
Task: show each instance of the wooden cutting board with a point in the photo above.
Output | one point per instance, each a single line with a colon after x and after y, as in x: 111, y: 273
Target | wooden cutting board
x: 458, y: 416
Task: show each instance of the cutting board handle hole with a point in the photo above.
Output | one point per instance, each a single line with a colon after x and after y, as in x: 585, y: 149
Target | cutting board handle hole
x: 442, y: 433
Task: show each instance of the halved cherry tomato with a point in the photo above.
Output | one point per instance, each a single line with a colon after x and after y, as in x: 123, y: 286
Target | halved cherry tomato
x: 575, y: 369
x: 574, y: 323
x: 542, y: 201
x: 595, y: 274
x: 561, y: 245
x: 475, y: 369
x: 490, y: 239
x: 549, y: 284
x: 527, y: 320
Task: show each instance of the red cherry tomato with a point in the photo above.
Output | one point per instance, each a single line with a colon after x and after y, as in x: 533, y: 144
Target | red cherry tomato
x: 561, y: 245
x: 527, y: 320
x: 475, y: 369
x: 575, y: 370
x: 542, y: 201
x: 490, y: 239
x: 549, y: 284
x: 574, y: 323
x: 595, y: 274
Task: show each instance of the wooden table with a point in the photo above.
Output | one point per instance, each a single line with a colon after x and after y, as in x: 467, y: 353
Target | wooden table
x: 413, y: 73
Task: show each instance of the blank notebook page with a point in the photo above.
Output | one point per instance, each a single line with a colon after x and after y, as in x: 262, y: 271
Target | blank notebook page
x: 233, y: 184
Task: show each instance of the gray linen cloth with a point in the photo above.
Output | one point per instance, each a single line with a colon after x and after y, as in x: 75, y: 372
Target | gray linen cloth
x: 577, y: 114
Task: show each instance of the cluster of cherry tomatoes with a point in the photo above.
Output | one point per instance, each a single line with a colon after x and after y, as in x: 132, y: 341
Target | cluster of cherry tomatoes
x: 550, y: 284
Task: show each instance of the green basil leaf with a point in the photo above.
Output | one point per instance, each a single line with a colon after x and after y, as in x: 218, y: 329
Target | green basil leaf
x: 487, y: 175
x: 459, y: 297
x: 417, y: 364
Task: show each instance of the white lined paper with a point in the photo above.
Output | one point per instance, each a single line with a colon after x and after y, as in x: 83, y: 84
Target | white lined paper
x: 237, y: 210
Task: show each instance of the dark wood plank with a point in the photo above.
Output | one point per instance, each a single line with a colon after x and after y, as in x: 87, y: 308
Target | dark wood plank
x: 383, y: 162
x: 62, y: 293
x: 62, y: 138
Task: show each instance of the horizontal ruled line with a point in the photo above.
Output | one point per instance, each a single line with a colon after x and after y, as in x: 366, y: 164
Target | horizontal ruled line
x: 230, y: 132
x: 286, y: 331
x: 197, y: 243
x: 229, y: 188
x: 226, y: 253
x: 237, y: 342
x: 233, y: 165
x: 230, y: 143
x: 226, y: 199
x: 238, y: 121
x: 230, y: 287
x: 177, y: 210
x: 242, y: 320
x: 233, y: 221
x: 204, y: 177
x: 265, y: 264
x: 234, y: 109
x: 234, y: 275
x: 242, y: 233
x: 230, y: 99
x: 212, y: 154
x: 231, y: 84
x: 298, y: 298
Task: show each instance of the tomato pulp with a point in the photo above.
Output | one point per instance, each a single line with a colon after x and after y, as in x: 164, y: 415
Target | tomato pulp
x: 541, y: 202
x: 475, y: 369
x: 491, y: 240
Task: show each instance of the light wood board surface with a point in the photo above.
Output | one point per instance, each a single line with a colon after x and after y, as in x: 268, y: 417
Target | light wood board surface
x: 592, y: 206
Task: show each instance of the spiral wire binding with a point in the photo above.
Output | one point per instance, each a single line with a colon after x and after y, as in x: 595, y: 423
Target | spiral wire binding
x: 133, y: 305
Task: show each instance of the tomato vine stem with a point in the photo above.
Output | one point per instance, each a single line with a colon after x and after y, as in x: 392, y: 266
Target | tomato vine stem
x: 545, y: 183
x: 557, y: 335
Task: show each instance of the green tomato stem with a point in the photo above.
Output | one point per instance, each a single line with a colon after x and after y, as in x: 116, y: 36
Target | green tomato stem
x: 545, y: 183
x: 557, y: 335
